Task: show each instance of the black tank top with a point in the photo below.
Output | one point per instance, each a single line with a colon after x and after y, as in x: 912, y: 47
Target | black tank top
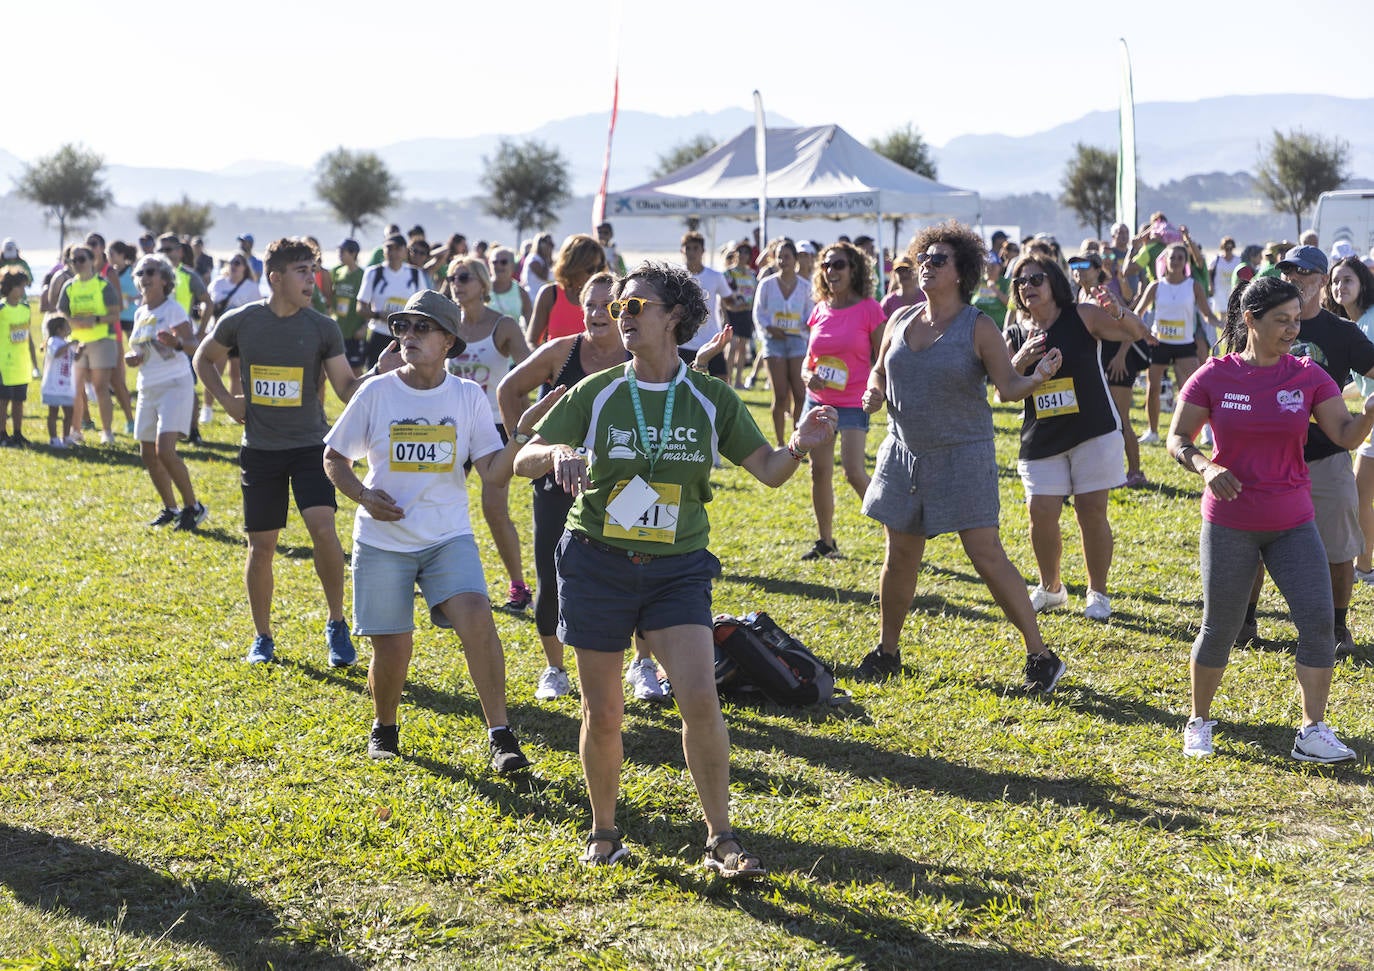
x: 572, y: 370
x: 1074, y: 405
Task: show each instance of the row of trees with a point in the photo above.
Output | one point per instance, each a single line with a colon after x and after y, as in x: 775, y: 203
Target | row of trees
x: 527, y: 182
x: 1295, y: 169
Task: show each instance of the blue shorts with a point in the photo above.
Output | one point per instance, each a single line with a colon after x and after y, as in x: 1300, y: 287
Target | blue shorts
x: 786, y: 346
x: 850, y: 419
x: 384, y: 583
x: 604, y: 597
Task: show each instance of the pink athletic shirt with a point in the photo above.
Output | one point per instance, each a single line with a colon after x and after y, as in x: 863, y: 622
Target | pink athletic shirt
x: 1259, y: 419
x: 840, y: 350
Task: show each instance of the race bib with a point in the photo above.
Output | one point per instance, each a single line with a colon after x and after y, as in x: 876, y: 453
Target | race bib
x: 423, y: 448
x: 276, y: 387
x: 19, y: 335
x: 343, y: 306
x: 82, y: 304
x: 833, y: 371
x: 1056, y: 398
x: 788, y: 321
x: 1171, y: 331
x: 657, y: 523
x: 395, y: 304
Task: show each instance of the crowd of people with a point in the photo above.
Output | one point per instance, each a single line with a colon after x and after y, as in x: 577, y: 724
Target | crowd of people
x: 435, y: 352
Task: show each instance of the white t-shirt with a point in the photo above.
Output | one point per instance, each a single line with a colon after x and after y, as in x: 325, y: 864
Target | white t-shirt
x: 716, y: 287
x: 416, y: 444
x: 57, y: 384
x: 161, y: 364
x: 535, y: 276
x: 386, y: 290
x: 221, y: 287
x: 1223, y: 271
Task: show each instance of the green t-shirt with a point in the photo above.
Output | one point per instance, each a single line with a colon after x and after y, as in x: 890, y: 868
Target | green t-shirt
x: 708, y: 419
x: 988, y: 303
x: 347, y: 283
x: 1271, y: 270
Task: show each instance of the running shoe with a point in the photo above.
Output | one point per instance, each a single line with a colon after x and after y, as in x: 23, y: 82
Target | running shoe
x: 107, y: 438
x: 262, y: 650
x: 1345, y: 643
x: 1042, y: 599
x: 129, y: 427
x: 192, y: 516
x: 821, y: 550
x: 1364, y: 576
x: 1043, y: 672
x: 1149, y: 438
x: 206, y: 415
x: 341, y: 651
x: 1204, y: 437
x: 1249, y: 633
x: 58, y: 443
x: 1099, y: 607
x: 384, y: 742
x: 76, y: 438
x: 506, y: 756
x: 1197, y: 738
x: 518, y: 598
x: 165, y: 518
x: 643, y: 677
x: 17, y: 440
x: 878, y: 665
x: 553, y: 683
x: 1318, y: 743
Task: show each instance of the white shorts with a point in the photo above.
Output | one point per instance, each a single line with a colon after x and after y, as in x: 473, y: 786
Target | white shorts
x: 163, y: 409
x: 1094, y: 465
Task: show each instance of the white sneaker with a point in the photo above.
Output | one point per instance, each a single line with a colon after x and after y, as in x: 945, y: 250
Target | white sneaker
x: 553, y: 683
x: 206, y: 414
x: 1204, y: 437
x: 107, y: 438
x: 1318, y: 743
x: 1197, y: 738
x: 1364, y: 576
x: 1149, y: 438
x: 1041, y: 599
x: 58, y: 443
x: 1099, y: 606
x: 643, y: 677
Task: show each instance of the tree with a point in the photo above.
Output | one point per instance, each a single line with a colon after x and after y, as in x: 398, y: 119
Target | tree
x: 68, y: 185
x: 183, y: 217
x: 907, y: 148
x: 526, y: 183
x: 355, y: 185
x: 1089, y: 185
x: 683, y: 154
x: 1299, y: 168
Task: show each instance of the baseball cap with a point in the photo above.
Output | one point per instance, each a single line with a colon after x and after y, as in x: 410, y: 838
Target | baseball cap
x: 902, y: 261
x: 438, y: 308
x: 168, y: 239
x: 805, y: 247
x: 350, y: 244
x: 1341, y: 250
x: 10, y: 248
x: 245, y: 238
x: 1309, y: 258
x: 396, y: 239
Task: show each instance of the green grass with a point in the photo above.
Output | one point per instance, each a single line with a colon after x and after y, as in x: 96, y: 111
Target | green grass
x: 162, y: 805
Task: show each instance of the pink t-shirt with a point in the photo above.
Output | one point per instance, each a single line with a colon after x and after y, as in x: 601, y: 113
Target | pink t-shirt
x: 1259, y: 418
x: 840, y: 350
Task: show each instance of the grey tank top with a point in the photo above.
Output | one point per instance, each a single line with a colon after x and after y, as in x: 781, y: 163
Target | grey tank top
x: 937, y: 397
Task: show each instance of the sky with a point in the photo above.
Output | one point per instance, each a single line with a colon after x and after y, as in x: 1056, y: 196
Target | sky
x: 289, y: 81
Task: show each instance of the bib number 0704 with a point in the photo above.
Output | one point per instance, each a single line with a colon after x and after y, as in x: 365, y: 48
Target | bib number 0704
x: 414, y: 452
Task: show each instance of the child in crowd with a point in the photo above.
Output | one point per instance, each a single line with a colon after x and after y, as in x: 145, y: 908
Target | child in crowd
x: 15, y: 364
x: 58, y: 390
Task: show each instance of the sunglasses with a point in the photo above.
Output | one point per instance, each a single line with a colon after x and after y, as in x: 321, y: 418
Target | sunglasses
x: 1299, y: 271
x: 1080, y: 264
x: 150, y: 271
x: 463, y: 277
x: 835, y: 265
x: 500, y: 262
x: 1034, y: 280
x: 630, y: 307
x: 78, y: 260
x: 936, y: 260
x: 419, y: 326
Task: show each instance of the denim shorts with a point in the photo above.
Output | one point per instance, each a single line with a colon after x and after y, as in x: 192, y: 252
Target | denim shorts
x: 604, y: 597
x: 850, y: 419
x: 384, y: 583
x: 786, y: 346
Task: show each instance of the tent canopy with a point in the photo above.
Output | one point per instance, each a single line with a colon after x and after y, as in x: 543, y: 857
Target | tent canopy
x: 812, y: 172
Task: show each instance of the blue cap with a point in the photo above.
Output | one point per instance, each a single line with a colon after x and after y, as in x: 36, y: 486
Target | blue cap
x: 1309, y: 258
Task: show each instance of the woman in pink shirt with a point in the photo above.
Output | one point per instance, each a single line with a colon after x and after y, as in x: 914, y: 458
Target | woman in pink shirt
x: 846, y: 329
x: 1257, y: 504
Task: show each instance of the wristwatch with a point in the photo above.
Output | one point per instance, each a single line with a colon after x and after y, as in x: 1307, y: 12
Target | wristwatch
x: 520, y: 438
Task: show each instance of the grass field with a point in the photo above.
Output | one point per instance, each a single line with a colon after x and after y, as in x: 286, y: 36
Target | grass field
x: 162, y: 805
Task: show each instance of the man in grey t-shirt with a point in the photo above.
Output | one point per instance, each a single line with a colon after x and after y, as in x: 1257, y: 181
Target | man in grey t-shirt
x: 285, y: 350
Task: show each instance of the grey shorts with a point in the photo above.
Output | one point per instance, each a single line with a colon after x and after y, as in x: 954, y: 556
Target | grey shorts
x: 943, y: 491
x: 101, y: 355
x: 1336, y: 501
x: 384, y: 583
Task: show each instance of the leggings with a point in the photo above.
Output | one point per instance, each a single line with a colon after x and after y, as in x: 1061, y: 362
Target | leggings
x: 551, y: 507
x: 1295, y: 558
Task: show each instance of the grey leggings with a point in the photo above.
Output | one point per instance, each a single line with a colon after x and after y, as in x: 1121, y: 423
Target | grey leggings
x: 1295, y: 558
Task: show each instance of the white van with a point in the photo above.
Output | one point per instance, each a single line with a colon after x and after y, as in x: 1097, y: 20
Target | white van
x: 1346, y: 214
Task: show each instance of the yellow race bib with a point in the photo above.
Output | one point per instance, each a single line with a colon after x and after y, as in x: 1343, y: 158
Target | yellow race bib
x: 833, y: 371
x: 658, y: 524
x: 342, y: 305
x: 788, y: 321
x: 1171, y: 331
x: 275, y: 387
x: 423, y: 448
x: 1056, y: 398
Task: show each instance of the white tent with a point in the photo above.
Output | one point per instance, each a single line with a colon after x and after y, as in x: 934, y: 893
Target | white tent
x: 812, y: 172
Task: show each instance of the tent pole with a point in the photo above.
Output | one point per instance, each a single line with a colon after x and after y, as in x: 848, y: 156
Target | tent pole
x: 711, y: 244
x: 878, y: 236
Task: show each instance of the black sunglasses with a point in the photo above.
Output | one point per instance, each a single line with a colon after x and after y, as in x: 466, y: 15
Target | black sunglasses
x: 418, y: 325
x: 150, y: 271
x: 463, y: 277
x: 835, y: 264
x: 936, y: 260
x: 1034, y: 280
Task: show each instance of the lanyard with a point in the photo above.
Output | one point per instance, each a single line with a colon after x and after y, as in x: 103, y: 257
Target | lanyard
x: 654, y: 452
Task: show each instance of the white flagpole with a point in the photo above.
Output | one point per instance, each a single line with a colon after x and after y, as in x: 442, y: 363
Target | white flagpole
x: 1126, y: 154
x: 761, y: 158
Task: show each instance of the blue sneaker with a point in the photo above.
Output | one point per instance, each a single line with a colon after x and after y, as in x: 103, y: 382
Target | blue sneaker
x: 341, y: 652
x: 262, y: 650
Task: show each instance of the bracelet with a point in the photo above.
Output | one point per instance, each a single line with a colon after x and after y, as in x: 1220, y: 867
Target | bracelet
x: 796, y: 453
x: 1186, y: 453
x: 700, y: 369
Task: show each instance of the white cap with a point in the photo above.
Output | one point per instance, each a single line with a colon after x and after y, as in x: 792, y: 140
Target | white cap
x: 10, y: 249
x: 1342, y: 249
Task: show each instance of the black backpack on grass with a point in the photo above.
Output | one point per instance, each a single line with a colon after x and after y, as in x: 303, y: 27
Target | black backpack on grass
x: 754, y: 656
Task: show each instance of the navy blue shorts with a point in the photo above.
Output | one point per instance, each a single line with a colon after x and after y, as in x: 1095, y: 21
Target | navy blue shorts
x: 605, y: 597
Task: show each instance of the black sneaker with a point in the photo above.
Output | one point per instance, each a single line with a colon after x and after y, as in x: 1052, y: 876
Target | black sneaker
x: 822, y: 550
x: 164, y: 518
x: 192, y: 516
x: 18, y: 440
x: 878, y: 665
x: 1249, y: 633
x: 384, y: 742
x: 506, y: 756
x: 1043, y: 672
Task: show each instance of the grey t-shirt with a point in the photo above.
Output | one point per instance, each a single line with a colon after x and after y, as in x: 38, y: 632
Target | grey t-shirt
x: 283, y: 364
